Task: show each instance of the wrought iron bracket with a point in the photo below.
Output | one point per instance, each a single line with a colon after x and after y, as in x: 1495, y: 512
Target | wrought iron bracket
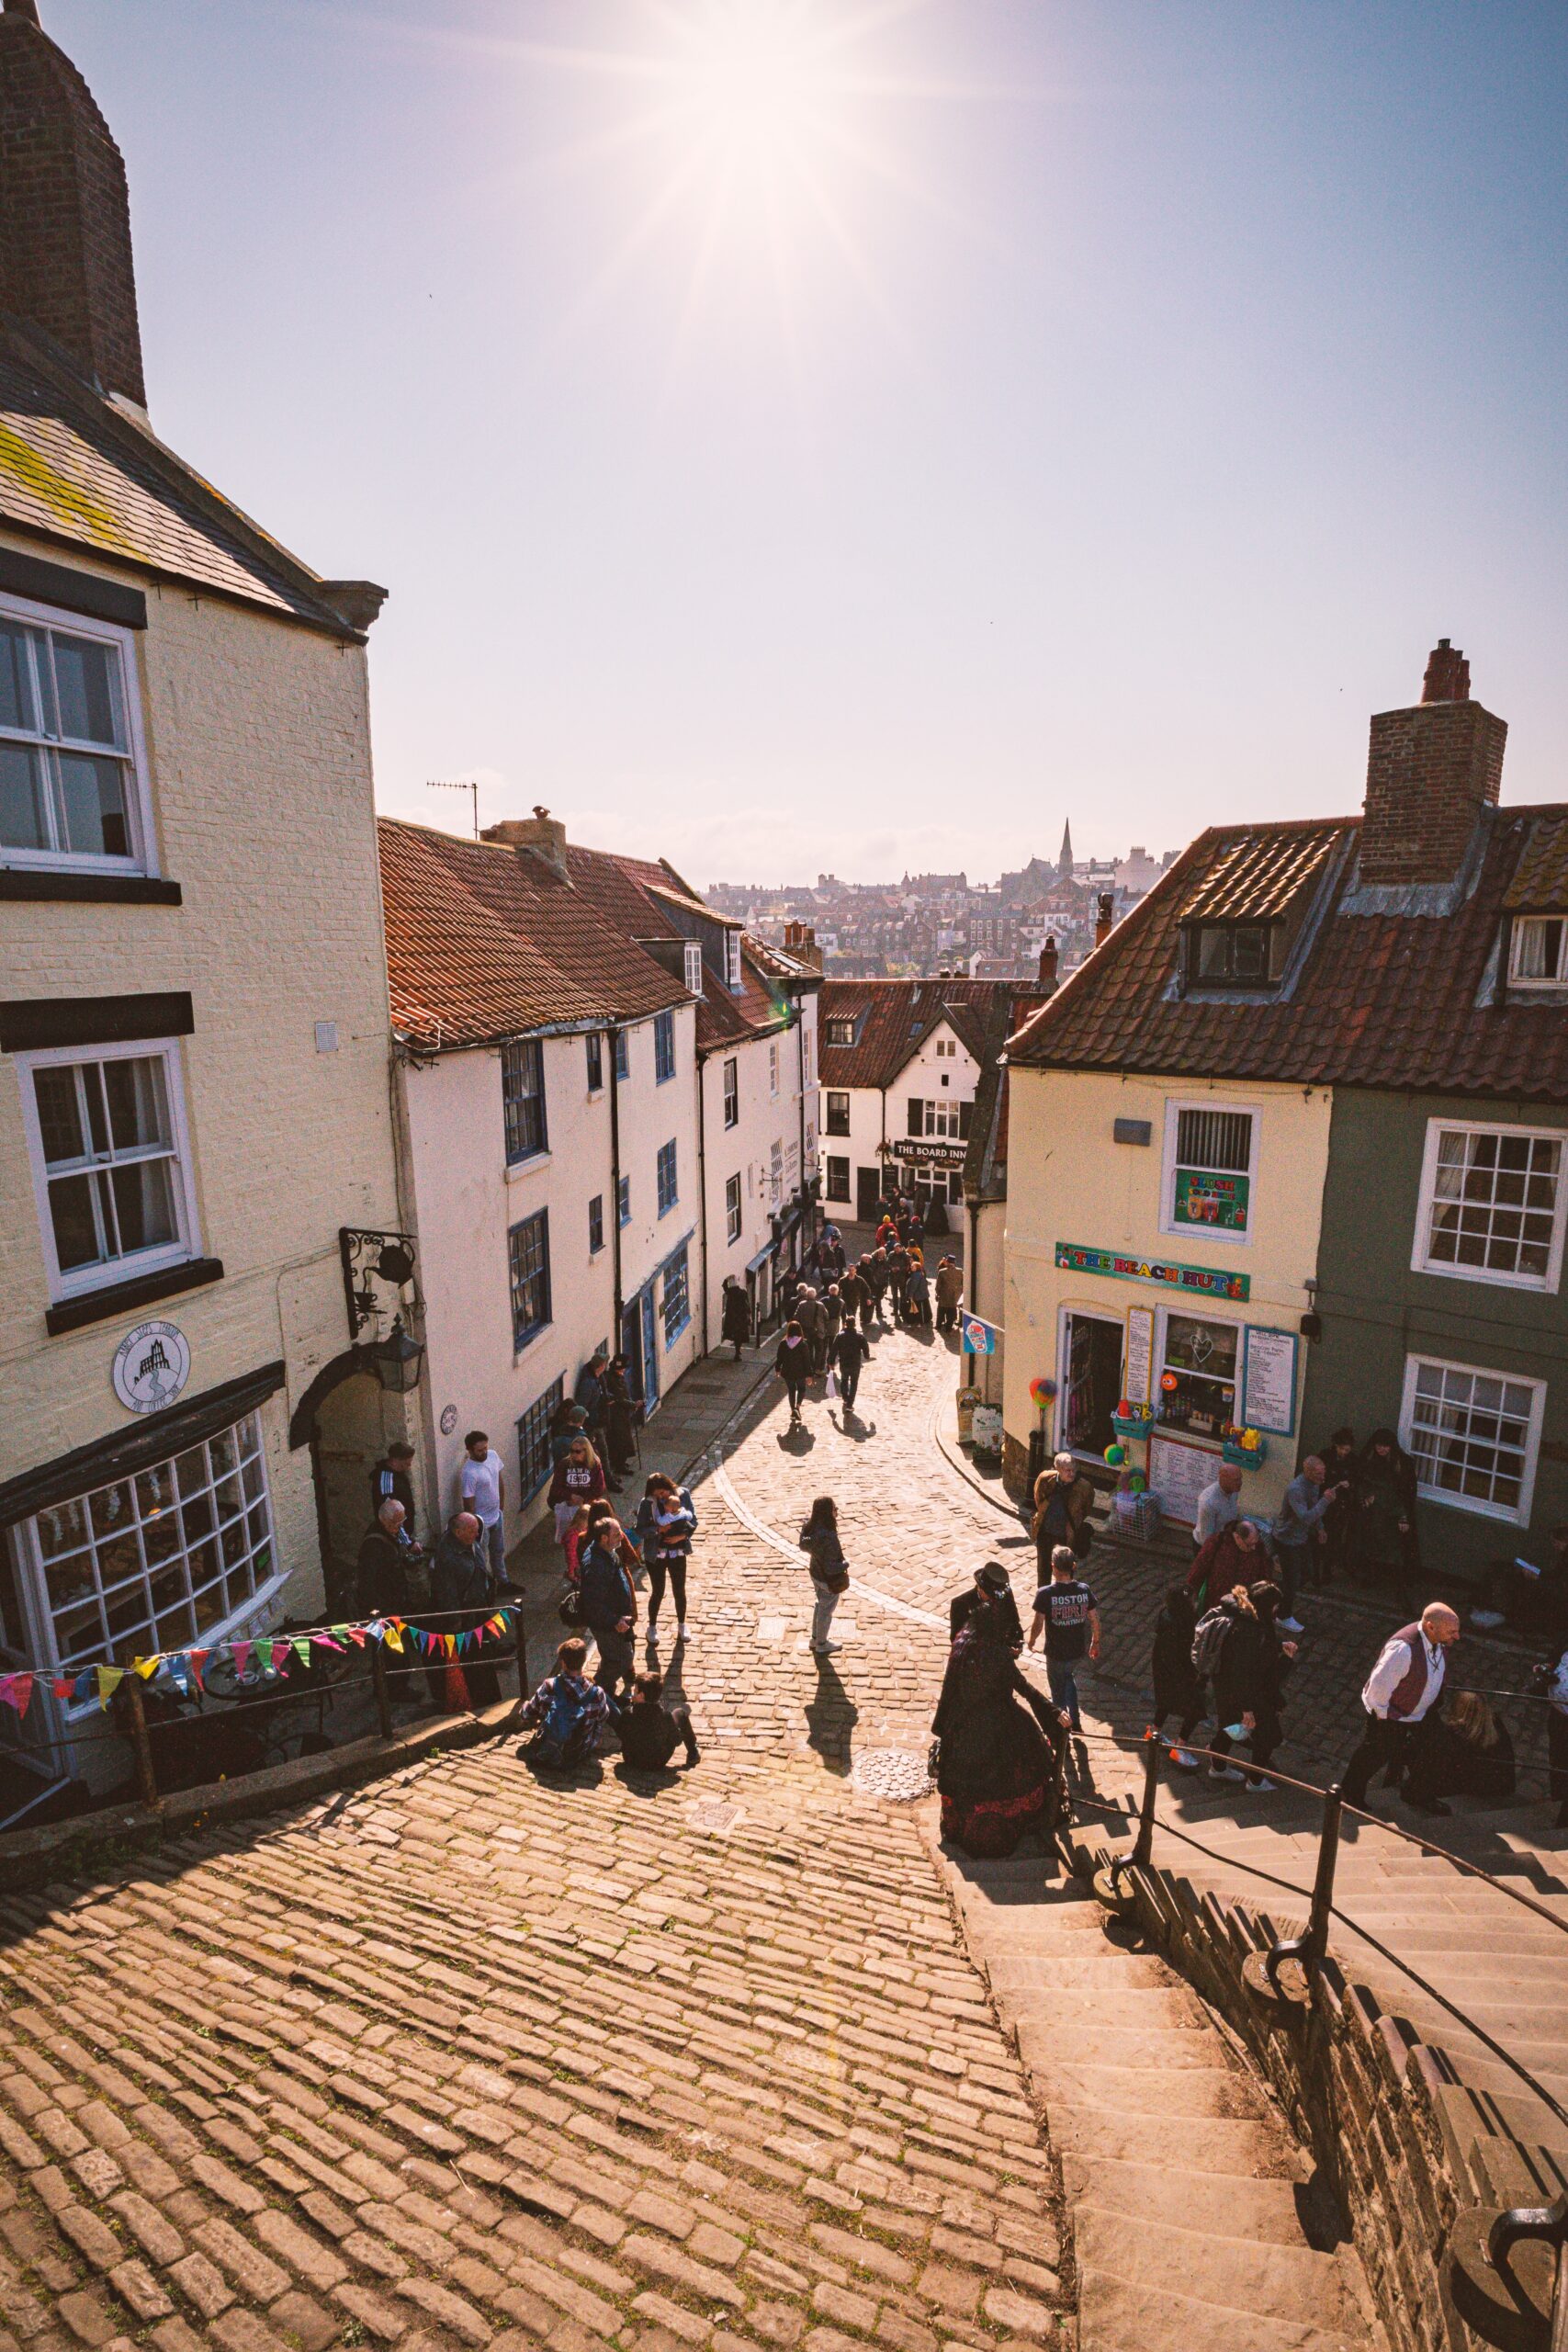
x: 369, y: 1258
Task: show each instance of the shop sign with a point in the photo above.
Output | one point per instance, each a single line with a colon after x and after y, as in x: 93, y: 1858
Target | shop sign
x: 151, y: 1366
x: 945, y: 1155
x: 1205, y: 1281
x: 1203, y: 1198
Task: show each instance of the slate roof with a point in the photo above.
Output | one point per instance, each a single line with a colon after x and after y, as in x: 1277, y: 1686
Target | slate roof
x: 1381, y: 999
x: 897, y: 1016
x: 78, y: 471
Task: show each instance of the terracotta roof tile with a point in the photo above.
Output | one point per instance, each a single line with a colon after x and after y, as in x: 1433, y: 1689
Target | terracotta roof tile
x: 1540, y: 877
x: 1256, y: 876
x: 1382, y: 999
x: 895, y: 1017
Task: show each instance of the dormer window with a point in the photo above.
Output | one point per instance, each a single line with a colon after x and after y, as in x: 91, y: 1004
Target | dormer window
x: 1233, y: 955
x: 840, y: 1031
x: 1538, y: 953
x: 732, y: 961
x: 693, y: 967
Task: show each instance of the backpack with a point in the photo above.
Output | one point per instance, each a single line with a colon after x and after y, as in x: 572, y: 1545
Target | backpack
x: 564, y: 1731
x: 1209, y: 1640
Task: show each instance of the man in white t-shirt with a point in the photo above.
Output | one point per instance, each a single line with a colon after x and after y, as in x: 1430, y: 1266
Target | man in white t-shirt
x: 481, y: 1488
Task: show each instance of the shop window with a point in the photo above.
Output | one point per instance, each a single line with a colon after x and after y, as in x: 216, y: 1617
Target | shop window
x: 1475, y: 1436
x: 1198, y: 1375
x: 1210, y: 1157
x: 1492, y: 1207
x: 156, y: 1562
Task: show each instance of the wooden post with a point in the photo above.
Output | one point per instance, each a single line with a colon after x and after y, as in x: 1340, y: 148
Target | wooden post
x: 140, y: 1744
x: 383, y: 1696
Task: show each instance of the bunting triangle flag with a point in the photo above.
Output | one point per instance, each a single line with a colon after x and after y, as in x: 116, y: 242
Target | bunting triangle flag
x: 63, y: 1688
x: 18, y: 1693
x: 301, y: 1649
x: 148, y: 1666
x: 242, y: 1654
x: 392, y: 1634
x: 324, y: 1642
x: 110, y: 1679
x: 356, y: 1635
x: 198, y: 1660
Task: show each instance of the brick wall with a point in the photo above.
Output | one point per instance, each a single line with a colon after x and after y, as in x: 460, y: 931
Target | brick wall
x: 1430, y: 771
x: 65, y: 258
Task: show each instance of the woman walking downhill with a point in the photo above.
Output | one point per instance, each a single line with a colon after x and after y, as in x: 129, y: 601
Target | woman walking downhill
x: 792, y: 1362
x: 1177, y: 1689
x: 666, y: 1523
x: 829, y: 1569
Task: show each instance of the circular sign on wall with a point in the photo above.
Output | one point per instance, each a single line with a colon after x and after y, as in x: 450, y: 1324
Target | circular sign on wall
x: 448, y: 1419
x: 151, y: 1365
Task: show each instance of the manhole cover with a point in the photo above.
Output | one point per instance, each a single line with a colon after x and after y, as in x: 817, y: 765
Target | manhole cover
x: 716, y: 1819
x: 897, y: 1774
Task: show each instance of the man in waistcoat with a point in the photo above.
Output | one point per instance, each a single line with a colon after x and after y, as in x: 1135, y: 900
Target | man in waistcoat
x: 1400, y: 1693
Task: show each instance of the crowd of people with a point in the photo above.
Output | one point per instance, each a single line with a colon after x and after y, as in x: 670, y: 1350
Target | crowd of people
x: 831, y: 1307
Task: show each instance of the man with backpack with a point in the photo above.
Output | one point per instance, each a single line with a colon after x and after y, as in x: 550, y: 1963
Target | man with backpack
x: 1067, y: 1614
x: 570, y: 1710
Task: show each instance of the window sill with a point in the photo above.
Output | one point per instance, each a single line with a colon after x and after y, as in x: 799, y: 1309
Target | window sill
x: 517, y: 1169
x: 122, y: 1299
x: 1542, y: 1285
x: 59, y: 883
x: 523, y: 1341
x: 1447, y: 1500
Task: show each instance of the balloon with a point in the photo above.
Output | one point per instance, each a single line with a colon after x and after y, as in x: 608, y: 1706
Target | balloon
x: 1115, y: 1455
x: 1137, y: 1482
x: 1043, y: 1390
x: 1168, y: 1380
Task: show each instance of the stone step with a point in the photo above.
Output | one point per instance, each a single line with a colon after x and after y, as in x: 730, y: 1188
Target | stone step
x: 1149, y: 2048
x: 1264, y: 2279
x: 1244, y: 2151
x: 1210, y: 2092
x: 1152, y: 2007
x: 1255, y: 2210
x: 1115, y: 2315
x: 1021, y: 1972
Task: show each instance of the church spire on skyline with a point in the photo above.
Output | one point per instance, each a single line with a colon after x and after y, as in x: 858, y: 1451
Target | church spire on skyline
x: 1064, y: 863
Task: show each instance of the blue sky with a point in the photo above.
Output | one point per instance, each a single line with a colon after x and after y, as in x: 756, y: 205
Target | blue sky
x: 867, y: 448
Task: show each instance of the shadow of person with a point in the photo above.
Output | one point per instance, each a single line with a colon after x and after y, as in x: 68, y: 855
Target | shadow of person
x: 851, y: 1426
x: 796, y: 1437
x: 831, y: 1717
x: 587, y: 1773
x: 643, y: 1782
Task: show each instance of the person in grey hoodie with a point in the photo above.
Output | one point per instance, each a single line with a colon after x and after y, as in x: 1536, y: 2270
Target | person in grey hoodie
x: 1300, y: 1525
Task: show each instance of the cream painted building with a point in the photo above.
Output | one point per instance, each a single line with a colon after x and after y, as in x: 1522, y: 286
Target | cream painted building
x: 1161, y: 1242
x: 596, y: 1082
x: 193, y: 1012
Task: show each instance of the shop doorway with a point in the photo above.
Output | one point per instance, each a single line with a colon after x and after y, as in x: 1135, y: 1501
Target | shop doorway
x: 347, y: 1440
x: 1091, y: 1382
x: 868, y: 1193
x: 640, y: 1347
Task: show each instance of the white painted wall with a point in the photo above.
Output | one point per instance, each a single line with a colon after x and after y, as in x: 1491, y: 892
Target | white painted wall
x: 651, y: 1114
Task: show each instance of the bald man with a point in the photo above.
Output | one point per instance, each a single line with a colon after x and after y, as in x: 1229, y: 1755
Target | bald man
x: 464, y: 1590
x: 1400, y: 1694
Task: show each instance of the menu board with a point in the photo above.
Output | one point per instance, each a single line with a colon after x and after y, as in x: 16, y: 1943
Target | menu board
x: 1178, y: 1475
x: 1269, y: 1381
x: 1140, y: 1355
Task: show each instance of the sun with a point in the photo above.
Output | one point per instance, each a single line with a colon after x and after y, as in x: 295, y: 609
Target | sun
x: 752, y: 81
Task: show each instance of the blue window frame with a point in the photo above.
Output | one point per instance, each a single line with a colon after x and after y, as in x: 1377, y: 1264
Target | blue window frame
x: 529, y: 1249
x: 595, y: 1045
x: 623, y: 1053
x: 596, y: 1224
x: 663, y: 1047
x: 534, y: 1463
x: 624, y: 1200
x: 522, y: 1099
x: 675, y: 1297
x: 668, y: 1183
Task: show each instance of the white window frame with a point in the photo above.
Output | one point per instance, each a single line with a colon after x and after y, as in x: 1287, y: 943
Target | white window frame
x: 1421, y: 1261
x: 730, y: 1088
x: 732, y: 961
x: 113, y: 1271
x: 773, y: 1068
x: 807, y: 1054
x: 1195, y: 1310
x: 694, y: 962
x: 1204, y: 1234
x: 1531, y: 986
x: 1414, y: 1365
x: 734, y: 1216
x: 143, y: 857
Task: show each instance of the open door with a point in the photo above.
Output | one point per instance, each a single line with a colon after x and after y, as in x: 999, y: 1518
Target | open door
x: 1092, y: 1381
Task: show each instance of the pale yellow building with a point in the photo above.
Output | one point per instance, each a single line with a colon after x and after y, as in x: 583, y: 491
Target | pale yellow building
x: 194, y: 1066
x: 1161, y: 1239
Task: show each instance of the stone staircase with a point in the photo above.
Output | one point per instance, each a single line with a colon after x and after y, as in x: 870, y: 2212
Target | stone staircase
x: 1195, y: 2223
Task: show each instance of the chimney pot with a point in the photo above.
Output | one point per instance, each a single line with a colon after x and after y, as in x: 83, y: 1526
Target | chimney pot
x: 541, y: 833
x: 1048, y: 961
x: 1104, y: 917
x: 1447, y: 674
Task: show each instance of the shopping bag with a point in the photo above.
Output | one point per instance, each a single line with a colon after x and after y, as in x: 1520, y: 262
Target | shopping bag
x: 832, y: 1385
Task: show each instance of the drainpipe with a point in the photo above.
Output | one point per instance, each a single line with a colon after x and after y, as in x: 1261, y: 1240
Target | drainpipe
x: 971, y: 1275
x: 807, y: 1199
x: 702, y: 1188
x: 615, y: 1183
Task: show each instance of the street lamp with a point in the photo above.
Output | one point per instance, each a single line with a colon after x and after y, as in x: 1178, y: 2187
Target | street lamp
x: 397, y: 1361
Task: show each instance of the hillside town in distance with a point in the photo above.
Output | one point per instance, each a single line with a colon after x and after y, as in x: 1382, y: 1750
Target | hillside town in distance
x: 928, y: 924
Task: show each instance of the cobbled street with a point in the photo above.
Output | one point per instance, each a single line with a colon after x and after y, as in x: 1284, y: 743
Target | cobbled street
x: 687, y: 2060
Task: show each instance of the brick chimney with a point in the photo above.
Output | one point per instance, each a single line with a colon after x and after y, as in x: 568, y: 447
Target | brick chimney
x: 1104, y: 917
x: 1048, y: 964
x: 1430, y: 770
x: 541, y: 833
x: 800, y: 940
x: 65, y: 262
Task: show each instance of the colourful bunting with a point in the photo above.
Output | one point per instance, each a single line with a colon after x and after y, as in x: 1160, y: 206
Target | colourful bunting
x: 16, y: 1690
x: 241, y: 1655
x: 110, y: 1679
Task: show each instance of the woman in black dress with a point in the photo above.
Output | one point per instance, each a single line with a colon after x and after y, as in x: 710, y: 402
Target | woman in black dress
x: 1000, y: 1736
